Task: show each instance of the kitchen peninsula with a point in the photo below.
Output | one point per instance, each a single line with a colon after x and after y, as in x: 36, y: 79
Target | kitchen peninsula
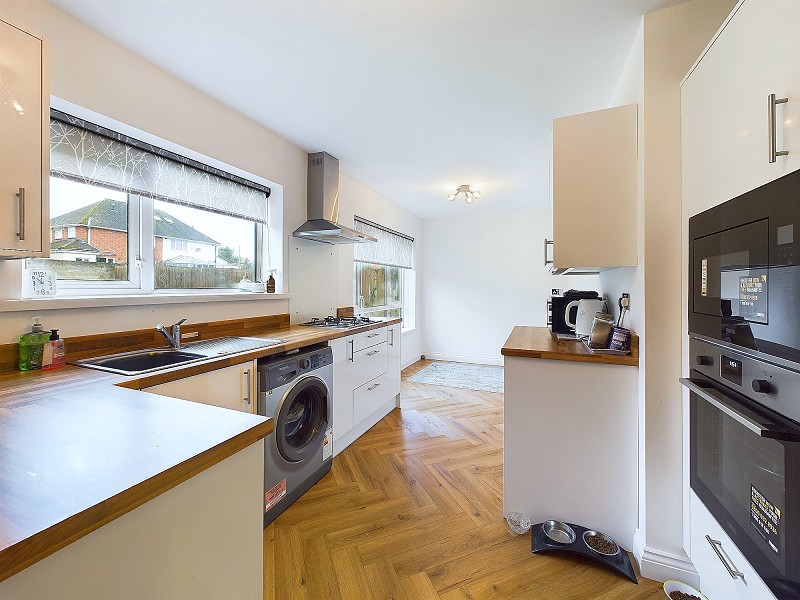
x: 570, y: 433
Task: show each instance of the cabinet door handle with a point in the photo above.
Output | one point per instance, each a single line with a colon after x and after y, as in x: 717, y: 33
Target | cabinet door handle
x: 373, y: 352
x: 546, y: 244
x: 773, y: 102
x: 391, y: 340
x: 371, y: 335
x: 372, y: 387
x: 352, y: 351
x: 246, y: 386
x: 717, y: 546
x: 21, y: 200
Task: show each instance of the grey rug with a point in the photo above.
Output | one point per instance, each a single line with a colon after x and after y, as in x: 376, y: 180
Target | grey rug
x: 461, y: 375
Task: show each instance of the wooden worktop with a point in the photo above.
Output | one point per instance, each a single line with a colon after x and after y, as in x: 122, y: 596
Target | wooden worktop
x: 78, y: 449
x: 539, y: 342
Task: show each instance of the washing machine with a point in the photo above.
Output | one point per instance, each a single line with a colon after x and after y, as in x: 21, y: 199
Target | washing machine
x: 296, y: 390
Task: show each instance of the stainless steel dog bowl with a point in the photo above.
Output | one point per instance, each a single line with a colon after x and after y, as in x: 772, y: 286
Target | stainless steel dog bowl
x: 558, y: 532
x: 604, y: 537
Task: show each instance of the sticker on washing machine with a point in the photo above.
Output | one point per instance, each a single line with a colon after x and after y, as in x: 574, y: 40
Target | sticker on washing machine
x: 766, y: 518
x: 327, y: 444
x: 273, y: 496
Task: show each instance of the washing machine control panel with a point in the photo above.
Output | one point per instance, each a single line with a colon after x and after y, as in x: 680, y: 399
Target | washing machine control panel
x: 276, y: 372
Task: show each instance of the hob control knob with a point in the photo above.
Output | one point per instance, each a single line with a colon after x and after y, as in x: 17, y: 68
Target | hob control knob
x: 705, y: 361
x: 762, y: 386
x: 305, y: 363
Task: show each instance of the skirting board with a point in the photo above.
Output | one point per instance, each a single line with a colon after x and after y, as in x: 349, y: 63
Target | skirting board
x: 662, y: 566
x: 361, y: 428
x: 477, y: 360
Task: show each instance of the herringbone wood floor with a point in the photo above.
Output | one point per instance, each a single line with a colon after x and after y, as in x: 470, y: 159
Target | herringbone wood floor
x: 413, y: 511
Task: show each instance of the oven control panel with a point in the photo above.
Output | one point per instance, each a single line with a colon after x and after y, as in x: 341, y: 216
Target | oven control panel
x: 768, y: 384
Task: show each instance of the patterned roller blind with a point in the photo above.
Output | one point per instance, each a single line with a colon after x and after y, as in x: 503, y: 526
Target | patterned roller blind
x: 88, y: 153
x: 393, y: 249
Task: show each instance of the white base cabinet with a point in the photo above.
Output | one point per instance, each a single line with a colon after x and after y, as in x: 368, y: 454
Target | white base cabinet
x: 231, y: 387
x: 715, y: 579
x: 366, y: 381
x: 24, y: 144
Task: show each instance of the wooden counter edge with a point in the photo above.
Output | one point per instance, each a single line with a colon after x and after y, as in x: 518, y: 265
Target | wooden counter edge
x: 540, y: 343
x: 31, y: 550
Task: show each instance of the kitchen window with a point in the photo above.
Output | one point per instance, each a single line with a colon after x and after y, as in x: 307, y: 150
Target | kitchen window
x: 130, y: 217
x: 384, y: 274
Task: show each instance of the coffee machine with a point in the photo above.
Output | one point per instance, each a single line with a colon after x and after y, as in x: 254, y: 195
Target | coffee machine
x: 564, y: 310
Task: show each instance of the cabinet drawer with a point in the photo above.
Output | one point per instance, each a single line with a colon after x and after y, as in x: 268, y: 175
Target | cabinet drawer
x: 369, y: 338
x: 715, y: 580
x: 369, y: 363
x: 368, y: 398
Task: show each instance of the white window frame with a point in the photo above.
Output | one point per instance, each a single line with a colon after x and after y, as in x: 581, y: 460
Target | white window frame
x: 141, y: 268
x: 358, y: 267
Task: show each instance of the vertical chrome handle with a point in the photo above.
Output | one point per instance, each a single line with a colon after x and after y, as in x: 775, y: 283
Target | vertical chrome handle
x: 717, y: 546
x: 546, y: 244
x: 391, y: 341
x: 352, y: 351
x: 21, y: 200
x: 772, y: 103
x: 246, y: 386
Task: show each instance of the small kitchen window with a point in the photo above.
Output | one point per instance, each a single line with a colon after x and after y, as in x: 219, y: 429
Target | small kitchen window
x: 130, y: 217
x: 384, y: 274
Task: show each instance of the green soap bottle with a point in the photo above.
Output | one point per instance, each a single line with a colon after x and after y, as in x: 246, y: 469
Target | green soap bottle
x: 31, y: 347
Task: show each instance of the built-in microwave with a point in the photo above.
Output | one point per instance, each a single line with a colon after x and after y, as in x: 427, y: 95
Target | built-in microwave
x: 744, y: 280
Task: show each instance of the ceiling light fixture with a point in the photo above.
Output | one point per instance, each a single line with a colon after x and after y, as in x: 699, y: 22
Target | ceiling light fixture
x: 470, y: 194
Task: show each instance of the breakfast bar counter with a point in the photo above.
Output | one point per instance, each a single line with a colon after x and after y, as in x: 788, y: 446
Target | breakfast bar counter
x: 570, y: 433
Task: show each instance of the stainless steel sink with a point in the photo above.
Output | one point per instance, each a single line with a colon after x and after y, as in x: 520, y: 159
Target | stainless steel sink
x: 145, y: 361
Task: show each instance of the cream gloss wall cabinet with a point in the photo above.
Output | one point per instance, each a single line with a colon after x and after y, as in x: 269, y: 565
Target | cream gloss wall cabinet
x: 594, y: 191
x: 729, y: 136
x: 231, y: 387
x: 24, y: 144
x: 364, y: 388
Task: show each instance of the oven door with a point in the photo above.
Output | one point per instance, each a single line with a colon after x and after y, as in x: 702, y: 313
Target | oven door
x: 745, y: 468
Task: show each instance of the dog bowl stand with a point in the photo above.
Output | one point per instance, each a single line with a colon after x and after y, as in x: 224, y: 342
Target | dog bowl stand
x: 619, y: 562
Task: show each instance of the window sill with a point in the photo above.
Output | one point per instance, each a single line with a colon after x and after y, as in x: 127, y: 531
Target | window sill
x: 131, y: 300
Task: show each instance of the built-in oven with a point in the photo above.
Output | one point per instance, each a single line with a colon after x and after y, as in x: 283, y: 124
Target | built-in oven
x: 745, y: 457
x: 744, y: 280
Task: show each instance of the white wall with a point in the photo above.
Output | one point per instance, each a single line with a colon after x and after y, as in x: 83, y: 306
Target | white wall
x: 482, y: 275
x: 672, y: 40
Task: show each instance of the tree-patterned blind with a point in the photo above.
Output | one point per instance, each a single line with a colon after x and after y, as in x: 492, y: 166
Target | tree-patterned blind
x: 88, y: 153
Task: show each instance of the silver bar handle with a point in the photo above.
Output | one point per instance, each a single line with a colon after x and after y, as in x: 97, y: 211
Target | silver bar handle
x: 246, y: 386
x: 717, y: 546
x: 373, y: 352
x: 772, y: 103
x: 546, y: 244
x: 391, y: 341
x: 21, y: 200
x: 351, y: 358
x: 371, y: 335
x: 372, y: 387
x: 731, y: 412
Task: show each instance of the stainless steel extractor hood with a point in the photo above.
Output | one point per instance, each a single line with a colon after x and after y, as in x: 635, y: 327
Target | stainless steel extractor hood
x: 323, y: 205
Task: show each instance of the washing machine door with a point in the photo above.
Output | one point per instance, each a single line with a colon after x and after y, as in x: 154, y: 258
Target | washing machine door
x: 302, y: 419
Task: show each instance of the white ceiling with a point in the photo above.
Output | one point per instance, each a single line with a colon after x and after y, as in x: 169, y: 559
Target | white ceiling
x: 413, y: 96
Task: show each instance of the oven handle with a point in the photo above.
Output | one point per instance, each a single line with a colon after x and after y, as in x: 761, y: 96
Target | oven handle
x: 736, y: 415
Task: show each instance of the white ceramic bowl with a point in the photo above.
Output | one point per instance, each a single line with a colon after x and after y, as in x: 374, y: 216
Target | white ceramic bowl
x: 674, y: 585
